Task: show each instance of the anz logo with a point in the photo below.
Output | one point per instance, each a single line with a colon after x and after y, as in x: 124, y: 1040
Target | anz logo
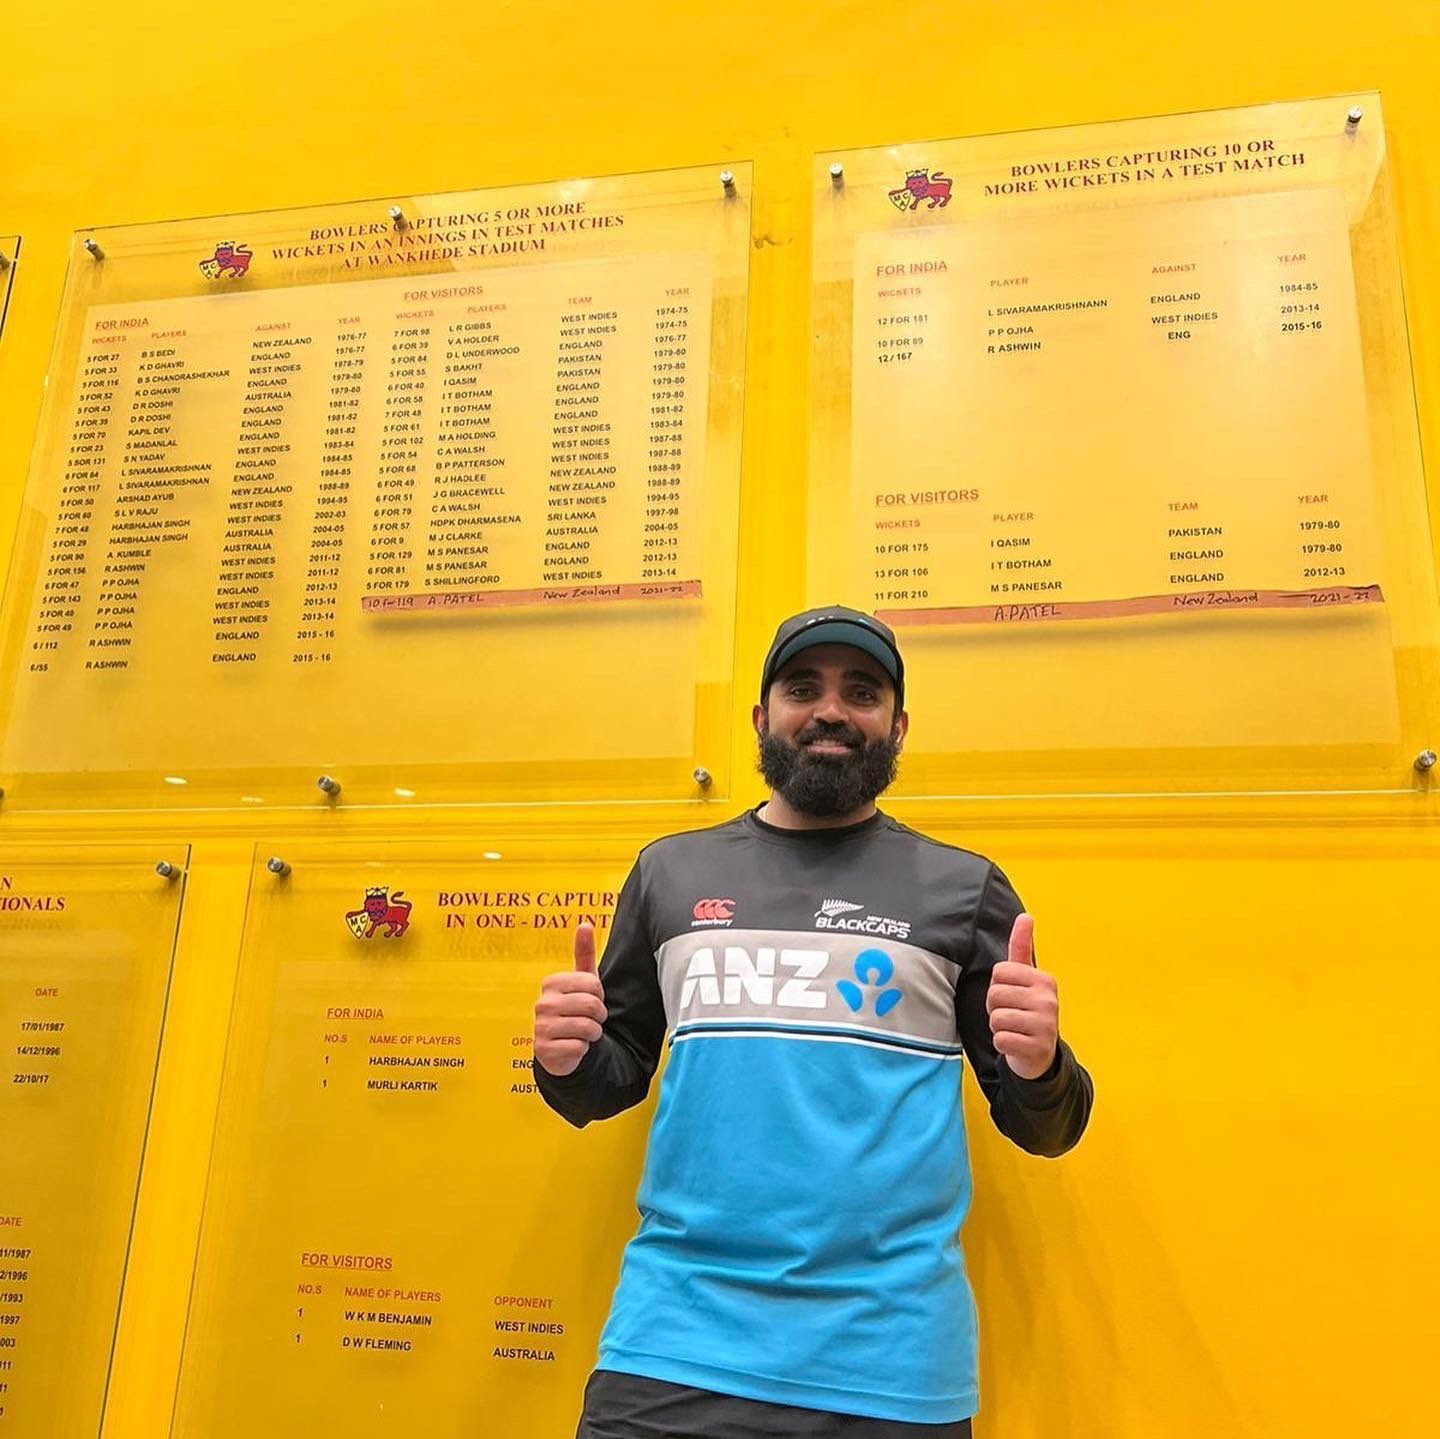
x: 741, y: 978
x: 785, y: 979
x: 874, y: 969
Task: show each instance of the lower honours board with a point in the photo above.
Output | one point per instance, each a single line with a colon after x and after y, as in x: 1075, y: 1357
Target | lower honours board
x: 86, y: 939
x: 398, y: 1235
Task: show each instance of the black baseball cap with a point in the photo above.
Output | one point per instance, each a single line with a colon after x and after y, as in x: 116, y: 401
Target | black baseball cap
x: 835, y: 625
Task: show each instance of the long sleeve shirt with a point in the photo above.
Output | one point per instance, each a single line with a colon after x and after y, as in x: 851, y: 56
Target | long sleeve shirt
x: 807, y: 1173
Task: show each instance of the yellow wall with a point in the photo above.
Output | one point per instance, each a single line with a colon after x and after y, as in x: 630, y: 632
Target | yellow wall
x: 1245, y: 1243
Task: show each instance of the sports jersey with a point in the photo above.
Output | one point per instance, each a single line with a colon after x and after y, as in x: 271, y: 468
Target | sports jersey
x: 807, y: 1171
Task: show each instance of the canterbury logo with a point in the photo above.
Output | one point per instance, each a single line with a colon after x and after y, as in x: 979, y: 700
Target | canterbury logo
x: 715, y: 909
x: 832, y: 907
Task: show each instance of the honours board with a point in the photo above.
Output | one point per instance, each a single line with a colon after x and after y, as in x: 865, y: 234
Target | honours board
x: 1139, y: 391
x: 311, y: 496
x: 398, y: 1234
x: 1241, y: 364
x: 86, y: 938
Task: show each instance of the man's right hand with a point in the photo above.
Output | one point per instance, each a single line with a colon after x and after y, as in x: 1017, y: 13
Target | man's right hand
x: 570, y: 1010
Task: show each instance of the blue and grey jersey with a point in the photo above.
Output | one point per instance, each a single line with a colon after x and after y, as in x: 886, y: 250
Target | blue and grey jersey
x: 807, y: 1172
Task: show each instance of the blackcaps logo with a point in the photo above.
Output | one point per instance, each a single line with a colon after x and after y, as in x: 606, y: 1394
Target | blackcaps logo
x: 381, y: 910
x: 844, y: 914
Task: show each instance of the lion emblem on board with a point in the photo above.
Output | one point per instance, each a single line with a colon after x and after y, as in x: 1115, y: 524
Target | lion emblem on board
x: 922, y: 185
x: 229, y: 259
x: 382, y: 910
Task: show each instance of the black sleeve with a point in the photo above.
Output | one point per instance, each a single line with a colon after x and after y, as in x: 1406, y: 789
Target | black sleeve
x: 1043, y: 1116
x: 616, y: 1071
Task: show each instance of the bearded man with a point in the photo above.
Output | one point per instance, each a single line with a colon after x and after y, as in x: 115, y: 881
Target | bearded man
x: 821, y: 971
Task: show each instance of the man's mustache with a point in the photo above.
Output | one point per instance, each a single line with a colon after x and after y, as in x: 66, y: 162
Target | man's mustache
x: 840, y: 734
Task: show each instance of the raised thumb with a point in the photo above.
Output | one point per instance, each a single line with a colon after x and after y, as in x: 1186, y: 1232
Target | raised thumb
x: 585, y: 949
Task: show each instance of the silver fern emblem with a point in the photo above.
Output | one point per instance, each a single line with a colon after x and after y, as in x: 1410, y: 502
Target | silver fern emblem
x: 831, y: 907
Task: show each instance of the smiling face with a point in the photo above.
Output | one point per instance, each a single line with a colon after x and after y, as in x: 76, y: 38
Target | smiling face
x: 829, y: 734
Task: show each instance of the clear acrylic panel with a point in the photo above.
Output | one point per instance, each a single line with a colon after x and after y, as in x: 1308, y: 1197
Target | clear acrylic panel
x: 9, y: 253
x: 1115, y: 423
x: 398, y: 1234
x: 87, y: 936
x: 407, y: 493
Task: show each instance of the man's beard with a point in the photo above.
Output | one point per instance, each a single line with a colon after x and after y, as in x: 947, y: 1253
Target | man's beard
x: 824, y: 786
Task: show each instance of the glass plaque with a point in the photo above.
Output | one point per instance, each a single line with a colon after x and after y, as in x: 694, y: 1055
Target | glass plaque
x: 9, y: 252
x: 398, y: 1235
x: 86, y: 938
x: 1115, y: 425
x: 410, y: 495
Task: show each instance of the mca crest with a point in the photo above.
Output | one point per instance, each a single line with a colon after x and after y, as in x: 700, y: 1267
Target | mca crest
x: 922, y: 185
x: 229, y: 259
x: 381, y: 910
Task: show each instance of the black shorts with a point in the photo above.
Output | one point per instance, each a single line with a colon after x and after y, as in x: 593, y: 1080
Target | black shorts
x: 624, y: 1406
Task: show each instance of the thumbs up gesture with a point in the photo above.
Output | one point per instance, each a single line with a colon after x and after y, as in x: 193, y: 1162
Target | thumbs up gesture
x: 570, y: 1010
x: 1024, y: 1006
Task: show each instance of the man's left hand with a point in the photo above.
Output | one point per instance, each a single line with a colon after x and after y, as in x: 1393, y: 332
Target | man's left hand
x: 1024, y: 1006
